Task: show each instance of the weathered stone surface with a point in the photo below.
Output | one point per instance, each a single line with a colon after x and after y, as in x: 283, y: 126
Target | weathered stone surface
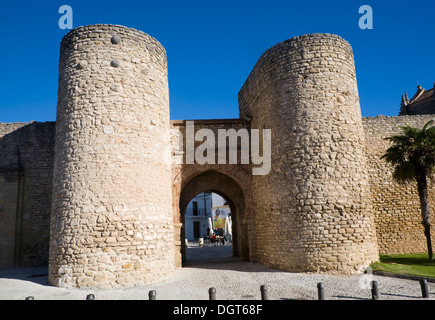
x: 303, y: 102
x: 115, y: 63
x: 116, y: 39
x: 117, y: 187
x: 396, y: 206
x: 26, y: 169
x: 120, y: 184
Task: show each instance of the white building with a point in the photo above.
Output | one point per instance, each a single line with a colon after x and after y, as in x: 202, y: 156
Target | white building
x: 196, y: 216
x: 199, y: 210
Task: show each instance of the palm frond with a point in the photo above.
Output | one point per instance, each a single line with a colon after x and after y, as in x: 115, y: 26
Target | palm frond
x: 412, y: 152
x: 425, y: 127
x: 406, y: 171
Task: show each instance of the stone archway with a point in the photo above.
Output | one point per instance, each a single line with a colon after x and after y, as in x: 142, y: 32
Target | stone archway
x: 227, y: 187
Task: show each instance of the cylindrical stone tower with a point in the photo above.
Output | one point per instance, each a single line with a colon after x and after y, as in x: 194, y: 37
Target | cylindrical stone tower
x: 313, y: 208
x: 111, y: 220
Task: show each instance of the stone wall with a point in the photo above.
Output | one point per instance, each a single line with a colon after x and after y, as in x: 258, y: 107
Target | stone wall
x: 232, y: 181
x: 111, y: 222
x: 396, y: 206
x: 313, y: 211
x: 26, y: 165
x: 121, y: 177
x: 425, y: 107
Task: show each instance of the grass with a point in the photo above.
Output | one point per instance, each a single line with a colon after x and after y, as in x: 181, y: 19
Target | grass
x: 417, y: 264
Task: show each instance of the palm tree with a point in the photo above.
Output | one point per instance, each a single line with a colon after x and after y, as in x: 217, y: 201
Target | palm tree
x: 412, y: 154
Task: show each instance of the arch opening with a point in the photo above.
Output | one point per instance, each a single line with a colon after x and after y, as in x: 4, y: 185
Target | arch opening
x: 208, y: 228
x: 224, y: 186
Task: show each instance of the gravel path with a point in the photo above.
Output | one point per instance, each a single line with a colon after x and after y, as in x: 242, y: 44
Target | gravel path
x: 233, y: 280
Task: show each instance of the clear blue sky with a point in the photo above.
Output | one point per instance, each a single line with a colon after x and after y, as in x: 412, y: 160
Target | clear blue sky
x: 212, y: 46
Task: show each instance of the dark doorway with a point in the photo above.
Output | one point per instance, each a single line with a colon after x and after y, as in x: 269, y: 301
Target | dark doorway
x: 196, y: 229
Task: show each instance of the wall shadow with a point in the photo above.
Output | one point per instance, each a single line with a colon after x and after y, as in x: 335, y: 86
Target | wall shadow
x: 37, y: 275
x: 26, y: 169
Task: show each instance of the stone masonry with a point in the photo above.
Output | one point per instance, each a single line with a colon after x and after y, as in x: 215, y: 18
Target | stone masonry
x: 313, y: 211
x: 111, y: 219
x: 26, y: 171
x: 396, y: 206
x: 110, y: 180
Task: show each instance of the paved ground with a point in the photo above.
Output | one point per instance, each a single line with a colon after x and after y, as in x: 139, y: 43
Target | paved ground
x: 233, y: 280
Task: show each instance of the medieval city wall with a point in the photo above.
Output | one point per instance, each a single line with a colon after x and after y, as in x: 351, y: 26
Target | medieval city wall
x: 313, y: 211
x: 111, y: 218
x: 396, y: 206
x: 26, y: 170
x: 232, y: 181
x: 99, y: 194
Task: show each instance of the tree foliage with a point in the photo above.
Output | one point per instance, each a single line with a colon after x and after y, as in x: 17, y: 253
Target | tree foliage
x: 412, y: 153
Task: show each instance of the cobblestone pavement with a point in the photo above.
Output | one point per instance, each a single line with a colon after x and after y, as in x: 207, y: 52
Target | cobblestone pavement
x: 234, y: 280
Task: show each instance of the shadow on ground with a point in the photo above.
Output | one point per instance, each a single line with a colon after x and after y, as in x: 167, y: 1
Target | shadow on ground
x: 209, y: 253
x: 38, y: 275
x: 219, y: 258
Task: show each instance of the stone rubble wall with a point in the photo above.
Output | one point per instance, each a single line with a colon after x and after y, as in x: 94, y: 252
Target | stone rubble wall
x: 111, y: 221
x: 225, y: 177
x: 396, y: 206
x: 26, y: 170
x: 313, y: 211
x: 112, y: 210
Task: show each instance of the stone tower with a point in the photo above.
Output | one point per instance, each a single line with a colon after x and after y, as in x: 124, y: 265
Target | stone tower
x: 111, y: 223
x: 313, y: 211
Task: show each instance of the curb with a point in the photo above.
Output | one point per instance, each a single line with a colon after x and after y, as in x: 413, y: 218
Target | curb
x: 402, y: 276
